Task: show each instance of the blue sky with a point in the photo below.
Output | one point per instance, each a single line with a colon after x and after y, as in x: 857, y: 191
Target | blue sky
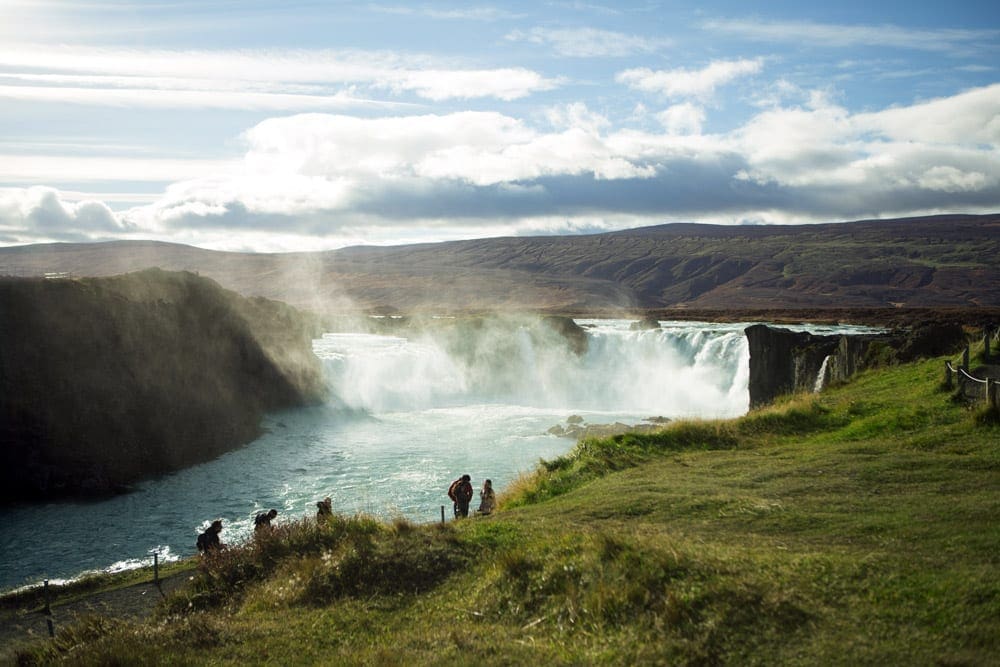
x: 306, y: 125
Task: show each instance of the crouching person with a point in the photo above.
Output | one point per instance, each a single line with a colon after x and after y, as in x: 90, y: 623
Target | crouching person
x: 209, y: 542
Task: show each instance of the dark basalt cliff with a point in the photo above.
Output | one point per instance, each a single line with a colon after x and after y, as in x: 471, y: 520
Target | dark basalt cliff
x: 787, y: 362
x: 783, y: 361
x: 107, y: 381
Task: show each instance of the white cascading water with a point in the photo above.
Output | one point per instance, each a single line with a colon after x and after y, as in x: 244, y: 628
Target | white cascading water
x: 405, y: 419
x: 821, y: 376
x: 681, y: 369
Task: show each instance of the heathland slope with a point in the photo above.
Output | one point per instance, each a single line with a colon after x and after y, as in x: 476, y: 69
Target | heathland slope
x: 104, y: 381
x: 947, y: 261
x: 857, y: 526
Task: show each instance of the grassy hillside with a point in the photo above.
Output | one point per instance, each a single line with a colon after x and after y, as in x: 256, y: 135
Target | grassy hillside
x: 854, y: 527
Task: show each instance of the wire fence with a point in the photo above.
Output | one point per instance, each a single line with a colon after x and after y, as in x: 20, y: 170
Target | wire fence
x: 971, y: 387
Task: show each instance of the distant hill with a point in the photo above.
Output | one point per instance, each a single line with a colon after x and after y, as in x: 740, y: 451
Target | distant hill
x: 946, y: 261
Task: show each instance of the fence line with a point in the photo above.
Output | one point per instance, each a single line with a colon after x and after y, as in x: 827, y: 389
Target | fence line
x: 968, y: 384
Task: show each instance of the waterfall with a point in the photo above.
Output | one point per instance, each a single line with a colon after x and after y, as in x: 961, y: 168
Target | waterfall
x: 821, y: 376
x: 681, y: 369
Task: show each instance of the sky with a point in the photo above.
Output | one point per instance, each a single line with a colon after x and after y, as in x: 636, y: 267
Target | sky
x: 311, y: 125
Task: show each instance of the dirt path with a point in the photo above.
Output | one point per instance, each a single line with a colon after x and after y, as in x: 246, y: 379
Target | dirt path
x: 132, y: 602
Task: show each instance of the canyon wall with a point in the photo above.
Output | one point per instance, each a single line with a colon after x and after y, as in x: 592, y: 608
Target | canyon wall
x: 106, y: 381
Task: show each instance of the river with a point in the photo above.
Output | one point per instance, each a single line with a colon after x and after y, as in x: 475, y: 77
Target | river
x: 403, y: 420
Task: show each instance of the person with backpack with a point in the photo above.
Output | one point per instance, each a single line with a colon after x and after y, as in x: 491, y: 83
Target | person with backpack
x: 324, y: 510
x: 460, y: 493
x: 263, y: 520
x: 208, y: 542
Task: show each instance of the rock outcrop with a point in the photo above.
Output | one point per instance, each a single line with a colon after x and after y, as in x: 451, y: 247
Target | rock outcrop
x: 577, y: 429
x: 786, y: 362
x: 783, y: 361
x: 107, y: 381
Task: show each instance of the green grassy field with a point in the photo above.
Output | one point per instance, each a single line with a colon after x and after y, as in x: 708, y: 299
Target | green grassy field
x: 859, y: 526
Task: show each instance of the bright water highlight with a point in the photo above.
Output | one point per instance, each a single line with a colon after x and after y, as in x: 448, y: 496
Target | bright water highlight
x: 405, y: 418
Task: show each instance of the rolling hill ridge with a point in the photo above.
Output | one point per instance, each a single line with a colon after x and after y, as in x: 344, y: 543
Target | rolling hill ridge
x: 946, y: 261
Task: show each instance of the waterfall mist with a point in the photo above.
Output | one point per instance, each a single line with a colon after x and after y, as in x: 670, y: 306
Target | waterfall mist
x: 680, y: 369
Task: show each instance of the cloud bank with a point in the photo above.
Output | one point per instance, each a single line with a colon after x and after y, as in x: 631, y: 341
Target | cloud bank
x: 324, y: 177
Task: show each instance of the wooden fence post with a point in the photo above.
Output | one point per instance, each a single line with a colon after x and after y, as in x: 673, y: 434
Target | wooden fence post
x: 992, y: 389
x: 947, y: 374
x: 48, y: 610
x: 965, y: 359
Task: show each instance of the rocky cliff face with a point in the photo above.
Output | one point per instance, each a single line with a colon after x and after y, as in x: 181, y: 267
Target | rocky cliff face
x: 110, y: 380
x: 786, y: 362
x: 783, y: 361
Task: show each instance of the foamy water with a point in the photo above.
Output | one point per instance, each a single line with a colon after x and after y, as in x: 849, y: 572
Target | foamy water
x: 404, y: 419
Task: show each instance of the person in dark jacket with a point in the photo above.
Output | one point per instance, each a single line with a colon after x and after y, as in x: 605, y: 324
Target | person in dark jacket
x: 460, y: 493
x: 208, y: 541
x: 324, y: 510
x: 263, y: 520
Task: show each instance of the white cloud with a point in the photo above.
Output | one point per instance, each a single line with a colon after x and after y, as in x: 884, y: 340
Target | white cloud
x: 287, y: 79
x: 480, y: 148
x: 952, y: 179
x: 589, y: 42
x: 971, y: 117
x: 39, y: 212
x: 141, y: 98
x: 576, y: 115
x: 685, y: 118
x: 945, y: 145
x: 953, y: 40
x: 504, y: 84
x: 699, y: 83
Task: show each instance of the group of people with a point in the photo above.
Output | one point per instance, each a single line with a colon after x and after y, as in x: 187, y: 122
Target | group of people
x: 460, y: 493
x: 209, y: 540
